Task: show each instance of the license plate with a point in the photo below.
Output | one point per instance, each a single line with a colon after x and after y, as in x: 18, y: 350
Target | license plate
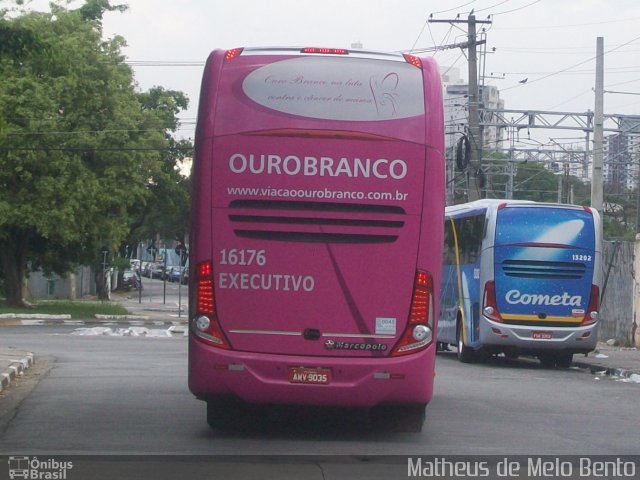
x: 313, y: 376
x: 542, y: 335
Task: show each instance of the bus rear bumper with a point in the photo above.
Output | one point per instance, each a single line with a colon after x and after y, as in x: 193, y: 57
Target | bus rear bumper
x: 353, y: 382
x: 532, y: 339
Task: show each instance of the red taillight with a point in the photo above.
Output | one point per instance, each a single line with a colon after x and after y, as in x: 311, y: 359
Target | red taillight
x: 233, y: 53
x: 205, y: 297
x: 413, y: 60
x: 489, y: 304
x: 591, y: 315
x: 325, y: 51
x: 418, y: 333
x: 420, y: 301
x: 204, y: 324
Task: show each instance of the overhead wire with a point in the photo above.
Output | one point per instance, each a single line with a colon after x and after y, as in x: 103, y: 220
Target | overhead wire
x: 568, y: 68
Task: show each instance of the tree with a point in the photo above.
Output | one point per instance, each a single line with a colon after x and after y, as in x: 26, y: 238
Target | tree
x: 78, y: 148
x: 166, y: 213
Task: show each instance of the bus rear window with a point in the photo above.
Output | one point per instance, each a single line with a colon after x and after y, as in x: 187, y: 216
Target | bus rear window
x: 545, y: 226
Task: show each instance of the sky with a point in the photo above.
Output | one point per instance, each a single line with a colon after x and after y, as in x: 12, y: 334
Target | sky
x: 551, y: 43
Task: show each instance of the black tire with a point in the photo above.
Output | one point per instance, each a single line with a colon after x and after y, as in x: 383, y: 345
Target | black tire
x: 548, y: 360
x: 231, y: 414
x: 398, y: 418
x: 564, y: 360
x: 465, y: 353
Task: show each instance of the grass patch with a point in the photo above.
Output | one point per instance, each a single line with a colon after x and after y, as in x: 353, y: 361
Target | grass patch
x: 79, y: 310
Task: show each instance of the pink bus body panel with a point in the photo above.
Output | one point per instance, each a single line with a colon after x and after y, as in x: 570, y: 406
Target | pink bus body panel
x: 292, y: 253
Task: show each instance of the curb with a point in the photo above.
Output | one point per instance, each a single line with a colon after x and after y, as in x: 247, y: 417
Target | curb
x: 34, y: 316
x: 102, y: 319
x: 15, y: 369
x: 606, y: 371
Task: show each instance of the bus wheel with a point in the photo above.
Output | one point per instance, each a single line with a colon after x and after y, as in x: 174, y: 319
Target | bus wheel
x: 564, y: 360
x: 465, y: 353
x: 398, y: 418
x: 230, y: 414
x: 548, y: 360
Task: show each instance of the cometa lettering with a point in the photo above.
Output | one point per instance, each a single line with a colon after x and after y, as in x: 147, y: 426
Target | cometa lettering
x: 268, y: 164
x: 515, y: 297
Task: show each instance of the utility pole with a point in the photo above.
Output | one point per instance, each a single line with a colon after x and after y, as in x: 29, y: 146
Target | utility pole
x: 598, y: 130
x: 474, y: 113
x: 475, y: 140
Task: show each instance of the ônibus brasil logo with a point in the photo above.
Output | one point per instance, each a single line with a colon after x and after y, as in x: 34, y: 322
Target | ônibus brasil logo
x: 35, y: 469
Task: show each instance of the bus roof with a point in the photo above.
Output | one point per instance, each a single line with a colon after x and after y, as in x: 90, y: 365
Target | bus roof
x: 495, y: 203
x: 303, y: 51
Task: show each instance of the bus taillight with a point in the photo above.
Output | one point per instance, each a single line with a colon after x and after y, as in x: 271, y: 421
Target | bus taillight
x: 419, y: 331
x: 205, y: 322
x: 233, y: 53
x: 591, y: 316
x: 489, y: 304
x: 413, y: 60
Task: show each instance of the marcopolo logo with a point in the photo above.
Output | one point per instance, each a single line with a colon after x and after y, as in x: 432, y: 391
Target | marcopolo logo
x: 36, y: 469
x: 516, y: 297
x: 323, y: 166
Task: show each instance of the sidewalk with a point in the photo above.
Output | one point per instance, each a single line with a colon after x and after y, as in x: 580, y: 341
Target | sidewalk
x: 623, y: 362
x: 13, y: 363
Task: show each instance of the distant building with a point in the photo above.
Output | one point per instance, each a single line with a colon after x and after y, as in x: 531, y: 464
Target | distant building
x: 456, y: 116
x: 621, y: 162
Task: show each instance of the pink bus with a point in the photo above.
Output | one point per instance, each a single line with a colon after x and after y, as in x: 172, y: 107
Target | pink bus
x: 317, y: 232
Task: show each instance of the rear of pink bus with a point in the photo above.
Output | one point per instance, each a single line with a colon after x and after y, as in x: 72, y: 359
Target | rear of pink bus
x: 317, y: 213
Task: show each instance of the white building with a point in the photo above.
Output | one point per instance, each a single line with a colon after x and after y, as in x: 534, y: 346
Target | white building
x: 456, y: 115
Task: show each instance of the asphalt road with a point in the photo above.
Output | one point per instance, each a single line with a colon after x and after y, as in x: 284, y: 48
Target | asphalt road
x: 128, y: 395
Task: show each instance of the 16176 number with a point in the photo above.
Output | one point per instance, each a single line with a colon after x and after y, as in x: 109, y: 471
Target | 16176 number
x: 235, y: 256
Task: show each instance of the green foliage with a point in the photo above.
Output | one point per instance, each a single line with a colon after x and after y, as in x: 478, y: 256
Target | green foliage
x: 81, y: 151
x: 77, y: 310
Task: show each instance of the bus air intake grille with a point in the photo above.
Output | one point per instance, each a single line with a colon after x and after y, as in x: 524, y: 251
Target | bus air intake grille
x: 283, y: 205
x: 310, y: 237
x: 316, y: 222
x: 543, y: 269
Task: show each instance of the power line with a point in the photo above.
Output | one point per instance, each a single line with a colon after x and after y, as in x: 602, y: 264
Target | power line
x: 544, y: 27
x: 517, y: 9
x: 568, y: 68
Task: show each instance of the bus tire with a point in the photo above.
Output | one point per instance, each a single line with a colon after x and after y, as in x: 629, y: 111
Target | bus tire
x: 564, y: 360
x: 398, y: 418
x: 548, y: 360
x: 465, y: 353
x: 230, y: 414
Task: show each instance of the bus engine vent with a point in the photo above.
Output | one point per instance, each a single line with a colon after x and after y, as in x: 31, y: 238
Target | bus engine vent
x: 543, y: 269
x: 316, y: 222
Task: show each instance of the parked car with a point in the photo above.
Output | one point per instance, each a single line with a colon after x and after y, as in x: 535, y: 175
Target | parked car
x: 131, y: 279
x: 157, y: 271
x: 177, y: 274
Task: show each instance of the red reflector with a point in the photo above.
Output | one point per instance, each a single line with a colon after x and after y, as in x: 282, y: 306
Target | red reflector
x: 413, y: 60
x: 233, y: 53
x: 325, y: 51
